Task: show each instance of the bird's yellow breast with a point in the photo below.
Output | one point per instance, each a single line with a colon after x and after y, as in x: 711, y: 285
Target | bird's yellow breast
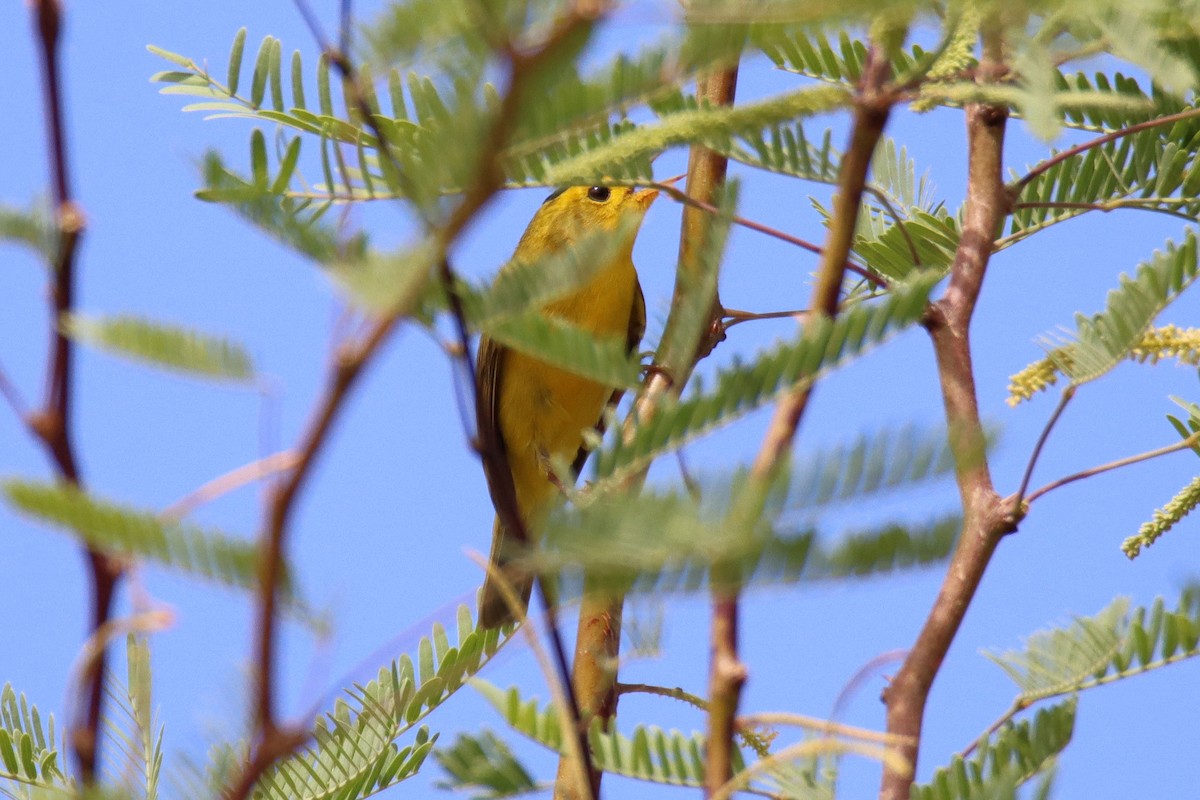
x: 543, y: 409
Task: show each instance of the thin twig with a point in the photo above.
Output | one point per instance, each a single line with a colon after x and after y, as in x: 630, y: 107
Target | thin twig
x: 736, y: 317
x: 985, y: 517
x: 809, y: 748
x: 818, y: 725
x: 1013, y: 710
x: 274, y: 739
x: 1067, y: 394
x: 234, y: 479
x: 557, y: 677
x: 13, y: 396
x: 1136, y: 204
x: 1183, y: 444
x: 52, y: 424
x: 682, y: 197
x: 1015, y: 188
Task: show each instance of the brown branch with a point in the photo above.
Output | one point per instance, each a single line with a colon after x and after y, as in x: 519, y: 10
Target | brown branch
x: 52, y: 423
x: 686, y: 199
x: 1067, y: 394
x: 1182, y: 444
x: 728, y: 673
x: 985, y: 516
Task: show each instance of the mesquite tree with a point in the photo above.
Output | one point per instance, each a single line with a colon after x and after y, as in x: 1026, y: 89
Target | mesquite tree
x: 436, y: 107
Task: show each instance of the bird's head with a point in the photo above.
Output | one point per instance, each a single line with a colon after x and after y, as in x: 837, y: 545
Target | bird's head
x: 577, y: 211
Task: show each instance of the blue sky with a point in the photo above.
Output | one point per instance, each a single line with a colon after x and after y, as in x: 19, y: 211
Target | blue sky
x: 397, y: 498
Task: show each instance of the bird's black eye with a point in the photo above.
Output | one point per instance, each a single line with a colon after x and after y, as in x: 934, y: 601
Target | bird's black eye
x: 599, y: 193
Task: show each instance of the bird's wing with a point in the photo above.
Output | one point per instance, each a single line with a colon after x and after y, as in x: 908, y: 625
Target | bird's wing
x: 637, y: 328
x: 489, y: 371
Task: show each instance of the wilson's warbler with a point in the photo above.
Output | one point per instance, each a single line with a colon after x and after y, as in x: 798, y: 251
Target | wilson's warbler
x: 540, y: 412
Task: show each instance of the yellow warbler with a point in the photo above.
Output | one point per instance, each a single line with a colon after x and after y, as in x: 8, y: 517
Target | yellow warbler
x: 540, y: 412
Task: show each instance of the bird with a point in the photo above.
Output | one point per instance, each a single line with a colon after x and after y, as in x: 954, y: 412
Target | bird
x: 539, y: 413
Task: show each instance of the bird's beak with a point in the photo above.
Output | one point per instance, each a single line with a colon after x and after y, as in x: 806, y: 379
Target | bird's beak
x: 645, y: 197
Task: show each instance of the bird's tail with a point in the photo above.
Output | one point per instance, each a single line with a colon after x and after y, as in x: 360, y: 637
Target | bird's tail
x: 493, y: 611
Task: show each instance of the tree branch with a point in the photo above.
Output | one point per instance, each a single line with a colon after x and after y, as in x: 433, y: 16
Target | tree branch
x: 52, y: 422
x: 985, y: 516
x: 728, y: 674
x: 1067, y: 394
x: 1183, y: 444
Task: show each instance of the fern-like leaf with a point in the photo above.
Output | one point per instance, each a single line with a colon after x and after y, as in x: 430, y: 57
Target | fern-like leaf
x: 354, y: 754
x: 1110, y: 646
x: 650, y: 754
x: 628, y: 156
x: 32, y: 228
x: 1104, y: 339
x: 1012, y: 756
x: 29, y: 753
x: 1055, y: 660
x: 485, y: 766
x: 128, y: 531
x: 1155, y: 170
x: 167, y: 346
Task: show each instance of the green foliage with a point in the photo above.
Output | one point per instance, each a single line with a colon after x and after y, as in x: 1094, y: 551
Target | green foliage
x: 694, y: 539
x: 166, y: 346
x: 354, y: 752
x: 32, y: 227
x: 822, y: 345
x: 138, y: 737
x: 1156, y: 169
x: 122, y: 530
x: 603, y: 359
x: 812, y: 53
x: 628, y: 157
x: 1104, y: 339
x: 1110, y: 646
x: 1012, y: 756
x: 650, y: 754
x: 483, y: 765
x: 29, y: 756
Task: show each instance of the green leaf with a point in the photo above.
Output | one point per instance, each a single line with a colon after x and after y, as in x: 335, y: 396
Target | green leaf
x: 174, y: 58
x: 32, y: 227
x: 262, y: 69
x: 604, y: 360
x: 1104, y: 339
x: 1108, y: 647
x: 1059, y: 660
x: 28, y: 748
x: 170, y: 347
x: 1014, y: 755
x: 127, y: 531
x: 650, y: 754
x: 628, y: 156
x: 485, y: 766
x: 235, y: 61
x: 354, y: 753
x: 294, y: 224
